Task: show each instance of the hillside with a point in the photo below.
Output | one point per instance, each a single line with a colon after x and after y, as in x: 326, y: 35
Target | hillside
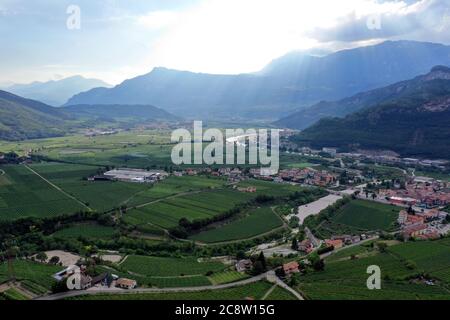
x: 55, y: 93
x: 308, y: 116
x: 119, y: 112
x: 416, y: 123
x: 22, y: 118
x: 285, y: 85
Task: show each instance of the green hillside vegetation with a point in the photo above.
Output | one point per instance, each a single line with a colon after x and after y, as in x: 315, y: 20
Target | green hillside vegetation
x: 400, y: 265
x: 28, y: 119
x: 414, y: 125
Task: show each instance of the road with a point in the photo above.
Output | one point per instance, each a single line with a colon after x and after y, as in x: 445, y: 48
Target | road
x: 270, y: 275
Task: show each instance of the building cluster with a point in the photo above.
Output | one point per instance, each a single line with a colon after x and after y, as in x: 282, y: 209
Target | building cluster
x: 80, y: 280
x: 308, y: 176
x: 421, y: 192
x: 131, y: 175
x: 421, y: 225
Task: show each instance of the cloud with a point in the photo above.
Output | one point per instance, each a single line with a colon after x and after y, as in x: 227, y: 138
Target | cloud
x: 388, y: 20
x: 158, y: 19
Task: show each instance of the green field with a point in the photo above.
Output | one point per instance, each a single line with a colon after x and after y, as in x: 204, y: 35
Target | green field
x: 254, y: 290
x: 256, y: 222
x: 270, y: 188
x: 279, y: 293
x: 167, y: 213
x: 24, y: 194
x: 169, y: 267
x: 367, y: 215
x: 13, y: 294
x: 92, y: 231
x: 37, y: 273
x: 99, y: 195
x: 227, y: 277
x: 346, y: 279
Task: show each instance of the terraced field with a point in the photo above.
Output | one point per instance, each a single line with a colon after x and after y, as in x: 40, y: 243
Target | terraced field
x: 24, y: 194
x: 257, y: 222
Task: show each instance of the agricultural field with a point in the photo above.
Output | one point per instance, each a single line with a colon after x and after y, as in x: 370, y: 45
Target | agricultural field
x: 99, y: 195
x: 279, y: 293
x: 87, y: 230
x: 270, y: 188
x: 25, y: 194
x: 346, y: 279
x: 13, y: 294
x: 33, y: 274
x: 255, y: 291
x: 432, y: 257
x: 168, y: 267
x: 227, y: 277
x: 167, y: 213
x: 256, y: 222
x: 173, y: 186
x: 367, y: 215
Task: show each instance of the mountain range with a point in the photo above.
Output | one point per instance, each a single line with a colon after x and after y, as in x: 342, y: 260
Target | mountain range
x: 410, y: 117
x: 287, y: 84
x: 55, y: 93
x: 22, y: 118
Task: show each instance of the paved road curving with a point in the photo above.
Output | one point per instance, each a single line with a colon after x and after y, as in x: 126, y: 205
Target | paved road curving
x: 263, y: 276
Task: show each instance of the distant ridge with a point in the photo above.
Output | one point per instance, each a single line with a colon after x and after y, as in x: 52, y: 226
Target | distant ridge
x: 286, y: 85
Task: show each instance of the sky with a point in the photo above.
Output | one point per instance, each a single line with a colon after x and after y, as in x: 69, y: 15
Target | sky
x: 114, y: 40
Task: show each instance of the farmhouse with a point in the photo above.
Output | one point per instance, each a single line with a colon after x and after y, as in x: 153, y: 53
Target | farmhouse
x: 125, y: 283
x: 291, y: 267
x: 244, y: 265
x: 336, y: 244
x: 136, y: 175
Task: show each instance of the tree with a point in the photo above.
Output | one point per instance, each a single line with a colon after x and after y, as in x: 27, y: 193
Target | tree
x: 382, y: 246
x: 262, y: 259
x: 41, y: 256
x: 54, y: 260
x: 241, y: 255
x: 294, y: 245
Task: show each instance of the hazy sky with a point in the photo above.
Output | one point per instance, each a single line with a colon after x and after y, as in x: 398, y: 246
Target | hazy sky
x: 119, y: 39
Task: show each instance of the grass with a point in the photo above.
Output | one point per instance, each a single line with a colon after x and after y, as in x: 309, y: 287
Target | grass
x: 27, y: 195
x: 257, y: 222
x: 367, y: 215
x: 227, y: 277
x: 168, y: 267
x: 254, y: 290
x: 92, y: 231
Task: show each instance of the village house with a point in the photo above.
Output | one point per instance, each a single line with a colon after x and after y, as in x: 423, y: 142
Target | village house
x: 125, y: 283
x: 336, y: 244
x: 291, y: 268
x: 306, y: 246
x: 244, y: 265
